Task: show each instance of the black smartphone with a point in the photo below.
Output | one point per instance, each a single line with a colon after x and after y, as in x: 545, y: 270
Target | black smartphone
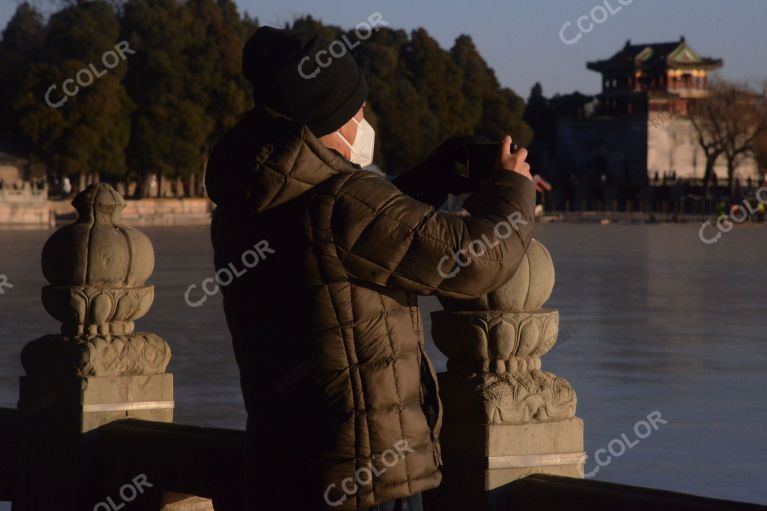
x: 480, y: 159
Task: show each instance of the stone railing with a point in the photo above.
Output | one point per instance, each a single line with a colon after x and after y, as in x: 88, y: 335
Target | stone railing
x: 24, y: 194
x: 505, y: 418
x: 98, y: 369
x: 25, y: 207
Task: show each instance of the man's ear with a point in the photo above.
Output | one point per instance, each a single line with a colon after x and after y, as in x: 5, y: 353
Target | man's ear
x: 333, y: 141
x: 349, y: 130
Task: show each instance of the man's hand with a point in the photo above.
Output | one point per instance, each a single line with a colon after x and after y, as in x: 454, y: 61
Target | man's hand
x: 541, y: 185
x: 431, y: 180
x: 513, y: 162
x: 443, y: 164
x: 454, y: 148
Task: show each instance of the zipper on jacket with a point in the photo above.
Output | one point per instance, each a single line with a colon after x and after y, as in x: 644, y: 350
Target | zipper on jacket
x: 436, y: 449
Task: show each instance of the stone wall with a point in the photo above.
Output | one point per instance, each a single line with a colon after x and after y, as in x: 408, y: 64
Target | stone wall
x: 634, y: 150
x: 26, y: 214
x: 142, y: 212
x: 167, y: 211
x: 614, y: 147
x: 672, y: 146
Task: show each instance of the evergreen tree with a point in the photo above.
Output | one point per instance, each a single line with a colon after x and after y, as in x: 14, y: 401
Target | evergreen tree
x: 405, y: 124
x: 88, y: 133
x: 21, y: 46
x: 439, y: 80
x: 186, y: 82
x: 215, y: 63
x: 539, y: 115
x: 494, y: 111
x: 169, y: 126
x: 477, y: 78
x: 160, y: 112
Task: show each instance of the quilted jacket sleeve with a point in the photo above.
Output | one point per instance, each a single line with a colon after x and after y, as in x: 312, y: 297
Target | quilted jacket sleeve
x: 384, y: 237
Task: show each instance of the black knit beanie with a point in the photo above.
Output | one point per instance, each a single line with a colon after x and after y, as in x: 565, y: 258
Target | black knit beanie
x: 324, y: 91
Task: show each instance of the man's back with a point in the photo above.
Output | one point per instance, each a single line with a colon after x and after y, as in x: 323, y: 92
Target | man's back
x: 330, y: 367
x: 341, y: 398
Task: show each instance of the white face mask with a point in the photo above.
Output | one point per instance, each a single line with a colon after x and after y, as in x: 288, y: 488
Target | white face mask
x: 364, y: 143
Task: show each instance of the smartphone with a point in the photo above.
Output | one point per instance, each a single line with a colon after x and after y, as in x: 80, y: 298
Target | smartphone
x: 480, y: 159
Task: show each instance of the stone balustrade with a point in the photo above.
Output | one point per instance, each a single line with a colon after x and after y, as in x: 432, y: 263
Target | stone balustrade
x: 98, y: 369
x: 505, y: 418
x: 24, y: 194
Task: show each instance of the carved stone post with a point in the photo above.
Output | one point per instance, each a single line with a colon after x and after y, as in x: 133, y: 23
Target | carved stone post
x: 505, y: 418
x: 98, y: 369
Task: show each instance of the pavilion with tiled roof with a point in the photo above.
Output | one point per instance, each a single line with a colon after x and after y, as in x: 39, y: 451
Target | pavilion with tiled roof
x: 640, y: 75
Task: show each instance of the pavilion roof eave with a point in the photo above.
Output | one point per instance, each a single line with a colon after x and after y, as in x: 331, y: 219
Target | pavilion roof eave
x: 601, y: 65
x: 708, y: 64
x: 608, y: 67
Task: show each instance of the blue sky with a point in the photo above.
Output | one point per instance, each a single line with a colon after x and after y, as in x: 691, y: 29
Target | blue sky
x: 520, y: 38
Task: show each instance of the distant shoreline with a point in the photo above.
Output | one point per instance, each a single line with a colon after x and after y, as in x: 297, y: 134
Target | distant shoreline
x: 45, y: 214
x: 622, y: 217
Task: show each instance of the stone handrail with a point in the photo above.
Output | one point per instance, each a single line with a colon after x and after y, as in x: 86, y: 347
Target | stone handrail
x: 98, y: 369
x: 505, y: 418
x: 23, y: 195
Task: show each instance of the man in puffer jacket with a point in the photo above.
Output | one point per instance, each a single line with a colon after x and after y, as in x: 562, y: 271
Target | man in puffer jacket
x: 320, y: 264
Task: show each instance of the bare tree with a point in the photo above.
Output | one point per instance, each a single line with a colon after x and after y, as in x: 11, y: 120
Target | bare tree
x: 728, y: 123
x: 761, y: 154
x: 704, y: 114
x: 746, y: 120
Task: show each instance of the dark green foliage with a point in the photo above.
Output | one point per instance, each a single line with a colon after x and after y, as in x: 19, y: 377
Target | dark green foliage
x: 162, y: 109
x: 88, y: 133
x: 421, y: 94
x: 539, y: 115
x: 21, y: 45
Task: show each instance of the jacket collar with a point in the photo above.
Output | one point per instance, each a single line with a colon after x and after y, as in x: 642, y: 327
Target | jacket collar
x: 267, y: 160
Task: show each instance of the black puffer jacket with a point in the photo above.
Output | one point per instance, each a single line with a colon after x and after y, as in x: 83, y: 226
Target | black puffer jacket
x: 341, y: 397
